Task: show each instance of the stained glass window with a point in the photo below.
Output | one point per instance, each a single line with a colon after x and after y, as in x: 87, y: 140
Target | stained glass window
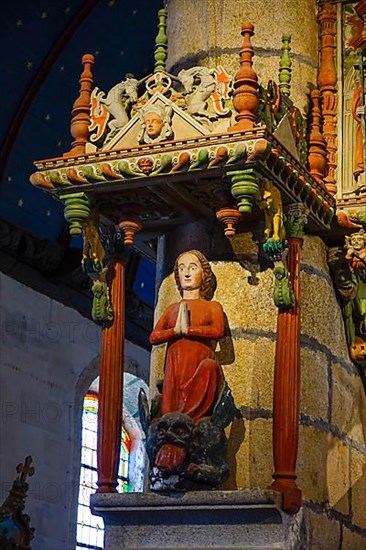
x: 90, y: 529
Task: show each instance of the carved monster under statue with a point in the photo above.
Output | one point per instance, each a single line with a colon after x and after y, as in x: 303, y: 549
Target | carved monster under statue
x: 186, y: 443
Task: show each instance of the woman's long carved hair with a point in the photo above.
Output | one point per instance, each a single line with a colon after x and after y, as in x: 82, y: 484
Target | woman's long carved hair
x: 208, y: 278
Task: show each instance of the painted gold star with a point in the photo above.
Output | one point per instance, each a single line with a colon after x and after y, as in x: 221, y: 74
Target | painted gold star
x: 19, y: 23
x: 44, y: 15
x: 111, y: 3
x: 96, y: 52
x: 29, y: 65
x: 47, y: 117
x: 20, y: 202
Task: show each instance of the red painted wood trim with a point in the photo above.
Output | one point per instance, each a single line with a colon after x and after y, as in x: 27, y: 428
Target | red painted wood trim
x: 27, y: 100
x: 286, y: 394
x: 111, y: 387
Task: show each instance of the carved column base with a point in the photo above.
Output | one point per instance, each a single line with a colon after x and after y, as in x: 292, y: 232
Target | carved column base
x: 291, y: 494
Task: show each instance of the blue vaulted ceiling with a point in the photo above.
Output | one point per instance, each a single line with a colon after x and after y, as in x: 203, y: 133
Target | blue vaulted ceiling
x: 43, y: 43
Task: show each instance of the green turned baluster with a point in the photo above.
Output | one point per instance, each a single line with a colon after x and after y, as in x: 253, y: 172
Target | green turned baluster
x: 285, y: 66
x: 161, y: 43
x: 77, y: 210
x: 244, y: 188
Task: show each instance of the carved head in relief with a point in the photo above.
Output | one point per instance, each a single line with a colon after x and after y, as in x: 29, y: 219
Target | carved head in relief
x: 357, y: 241
x: 155, y: 124
x: 192, y: 270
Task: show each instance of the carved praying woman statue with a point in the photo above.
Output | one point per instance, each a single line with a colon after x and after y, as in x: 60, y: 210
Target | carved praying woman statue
x: 186, y: 441
x: 193, y: 376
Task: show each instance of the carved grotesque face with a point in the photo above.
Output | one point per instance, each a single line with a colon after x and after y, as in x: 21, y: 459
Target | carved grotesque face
x: 146, y: 165
x: 357, y: 242
x: 154, y: 124
x: 190, y: 272
x: 176, y: 428
x: 345, y: 283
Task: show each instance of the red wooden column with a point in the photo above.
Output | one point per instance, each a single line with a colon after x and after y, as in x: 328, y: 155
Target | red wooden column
x: 286, y: 393
x: 111, y: 368
x: 111, y: 386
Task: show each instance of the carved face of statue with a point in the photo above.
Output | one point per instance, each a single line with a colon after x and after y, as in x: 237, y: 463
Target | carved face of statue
x: 190, y: 272
x: 357, y: 242
x: 154, y: 124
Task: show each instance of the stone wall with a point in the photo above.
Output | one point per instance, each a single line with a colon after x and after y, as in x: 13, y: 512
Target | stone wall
x: 332, y: 450
x: 49, y: 357
x: 208, y: 33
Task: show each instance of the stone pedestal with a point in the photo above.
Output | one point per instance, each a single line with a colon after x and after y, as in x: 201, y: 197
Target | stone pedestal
x: 217, y: 519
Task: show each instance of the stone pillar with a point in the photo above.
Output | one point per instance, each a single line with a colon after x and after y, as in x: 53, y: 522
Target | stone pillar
x: 207, y: 33
x: 332, y: 456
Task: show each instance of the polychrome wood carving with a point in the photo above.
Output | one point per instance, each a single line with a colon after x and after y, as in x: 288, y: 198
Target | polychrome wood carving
x: 186, y: 442
x: 349, y: 274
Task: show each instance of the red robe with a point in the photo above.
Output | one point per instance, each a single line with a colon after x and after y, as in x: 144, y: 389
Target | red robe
x: 193, y: 374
